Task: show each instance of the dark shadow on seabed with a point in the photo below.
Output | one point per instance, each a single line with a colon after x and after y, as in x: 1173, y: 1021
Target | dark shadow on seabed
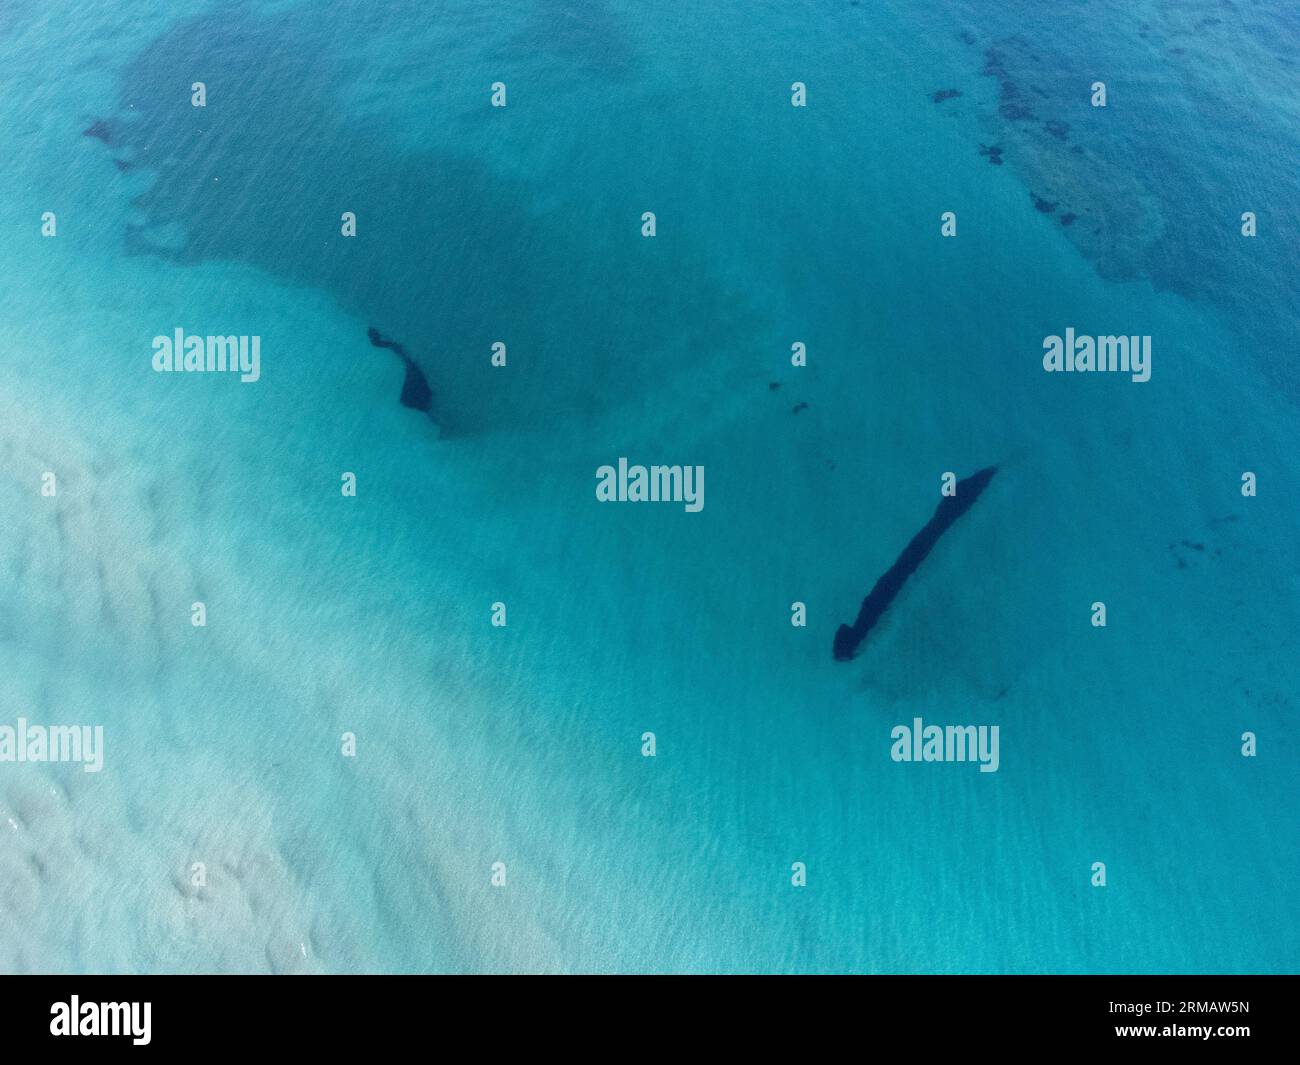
x: 449, y: 257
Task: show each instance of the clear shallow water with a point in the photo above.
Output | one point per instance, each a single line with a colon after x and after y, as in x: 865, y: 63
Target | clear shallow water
x: 522, y: 745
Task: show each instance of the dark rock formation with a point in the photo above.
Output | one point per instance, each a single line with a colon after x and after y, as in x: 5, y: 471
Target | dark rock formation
x: 890, y: 583
x: 416, y: 392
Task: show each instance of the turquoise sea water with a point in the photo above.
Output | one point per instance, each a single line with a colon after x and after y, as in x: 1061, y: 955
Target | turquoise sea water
x: 522, y: 745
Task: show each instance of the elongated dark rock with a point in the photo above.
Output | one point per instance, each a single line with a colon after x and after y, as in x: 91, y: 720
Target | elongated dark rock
x: 890, y: 583
x: 416, y: 392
